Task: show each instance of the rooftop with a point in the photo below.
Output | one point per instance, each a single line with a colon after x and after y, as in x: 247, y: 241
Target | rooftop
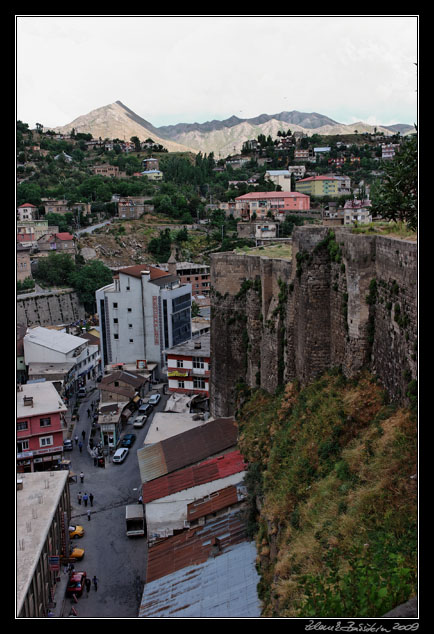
x: 45, y: 399
x: 54, y: 339
x: 264, y: 195
x: 197, y: 347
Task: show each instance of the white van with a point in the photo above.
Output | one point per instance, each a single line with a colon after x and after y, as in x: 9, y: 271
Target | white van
x: 120, y: 455
x: 82, y: 392
x: 140, y: 421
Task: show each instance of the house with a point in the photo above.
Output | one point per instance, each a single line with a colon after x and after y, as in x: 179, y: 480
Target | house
x: 27, y: 211
x: 111, y: 419
x: 23, y: 261
x: 278, y: 203
x: 63, y: 207
x: 151, y: 164
x: 47, y: 345
x: 122, y: 385
x: 320, y: 152
x: 56, y: 242
x: 388, y: 150
x: 32, y: 230
x: 153, y: 175
x: 188, y: 366
x: 131, y: 207
x: 280, y: 178
x: 236, y: 162
x: 40, y: 425
x: 257, y: 230
x: 106, y: 169
x: 144, y: 311
x: 42, y: 514
x: 357, y: 212
x: 318, y: 186
x: 298, y: 170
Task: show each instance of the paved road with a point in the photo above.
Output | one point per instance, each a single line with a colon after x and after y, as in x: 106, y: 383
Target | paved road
x: 118, y: 562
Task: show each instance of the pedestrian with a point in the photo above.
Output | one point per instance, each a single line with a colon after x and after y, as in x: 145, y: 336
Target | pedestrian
x: 83, y: 435
x: 76, y: 438
x: 88, y: 584
x: 85, y: 498
x: 79, y: 496
x: 95, y: 460
x: 80, y: 446
x: 88, y: 412
x: 88, y: 515
x: 81, y: 476
x: 95, y: 582
x: 91, y: 498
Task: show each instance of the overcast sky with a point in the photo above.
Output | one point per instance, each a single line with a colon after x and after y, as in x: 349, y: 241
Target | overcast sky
x: 182, y: 69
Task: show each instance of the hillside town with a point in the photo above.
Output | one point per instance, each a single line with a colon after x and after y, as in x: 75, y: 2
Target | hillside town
x: 114, y: 359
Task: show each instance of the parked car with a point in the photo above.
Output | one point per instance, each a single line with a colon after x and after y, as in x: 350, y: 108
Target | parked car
x: 128, y: 440
x: 120, y: 455
x: 77, y: 553
x: 76, y: 583
x: 146, y: 408
x: 154, y: 399
x: 76, y: 531
x: 140, y: 421
x: 67, y: 445
x: 82, y: 392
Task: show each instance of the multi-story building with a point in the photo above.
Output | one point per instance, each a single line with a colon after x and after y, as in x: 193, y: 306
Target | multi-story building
x: 278, y: 203
x: 63, y: 207
x: 144, y: 311
x: 388, y: 150
x: 198, y: 275
x: 23, y: 262
x: 27, y: 212
x: 49, y: 346
x: 42, y: 515
x: 318, y: 186
x: 131, y: 207
x: 40, y: 425
x: 357, y: 212
x: 56, y: 242
x: 280, y: 177
x: 32, y: 230
x: 188, y: 366
x: 106, y: 169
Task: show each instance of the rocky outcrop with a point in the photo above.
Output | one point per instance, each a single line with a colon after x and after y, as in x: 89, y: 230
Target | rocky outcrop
x: 345, y: 300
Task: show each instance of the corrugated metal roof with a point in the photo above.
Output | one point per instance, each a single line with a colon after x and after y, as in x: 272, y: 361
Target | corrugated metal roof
x: 195, y: 546
x: 215, y: 502
x: 214, y: 469
x: 220, y: 587
x: 187, y: 448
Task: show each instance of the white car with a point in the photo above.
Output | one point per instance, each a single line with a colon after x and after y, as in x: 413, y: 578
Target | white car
x: 120, y: 454
x: 140, y: 421
x: 154, y: 399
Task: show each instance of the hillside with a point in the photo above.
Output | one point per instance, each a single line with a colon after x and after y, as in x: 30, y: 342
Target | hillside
x: 333, y: 492
x: 223, y: 138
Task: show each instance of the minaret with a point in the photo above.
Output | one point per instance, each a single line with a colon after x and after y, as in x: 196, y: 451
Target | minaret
x: 172, y: 264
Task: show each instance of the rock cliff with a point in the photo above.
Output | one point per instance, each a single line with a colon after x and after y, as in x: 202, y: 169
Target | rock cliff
x: 344, y: 300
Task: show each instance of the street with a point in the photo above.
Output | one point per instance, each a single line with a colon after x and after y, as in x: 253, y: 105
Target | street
x: 119, y: 562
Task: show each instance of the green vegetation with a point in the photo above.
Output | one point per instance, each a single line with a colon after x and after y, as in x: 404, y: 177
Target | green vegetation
x: 329, y: 469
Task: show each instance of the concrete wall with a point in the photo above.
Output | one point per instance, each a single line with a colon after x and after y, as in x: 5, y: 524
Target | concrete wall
x: 49, y: 309
x: 278, y: 320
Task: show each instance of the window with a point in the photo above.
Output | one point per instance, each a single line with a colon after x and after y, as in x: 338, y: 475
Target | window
x: 22, y: 425
x: 46, y: 441
x: 115, y: 305
x: 22, y: 445
x: 199, y: 384
x: 45, y: 422
x: 179, y: 363
x: 129, y: 310
x: 115, y: 320
x: 116, y: 337
x: 198, y: 362
x: 181, y: 384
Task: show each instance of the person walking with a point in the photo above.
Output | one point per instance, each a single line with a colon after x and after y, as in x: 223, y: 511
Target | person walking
x: 85, y: 498
x: 80, y: 446
x: 88, y: 585
x: 76, y: 438
x: 95, y: 582
x: 83, y: 435
x: 91, y: 498
x: 81, y: 476
x: 88, y: 515
x: 79, y: 496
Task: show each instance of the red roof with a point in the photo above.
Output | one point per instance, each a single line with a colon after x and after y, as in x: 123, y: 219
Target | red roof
x: 254, y: 195
x: 138, y: 269
x: 317, y: 178
x: 64, y: 236
x: 27, y: 205
x: 208, y: 471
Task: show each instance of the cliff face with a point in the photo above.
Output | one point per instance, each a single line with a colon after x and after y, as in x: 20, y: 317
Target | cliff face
x: 345, y: 300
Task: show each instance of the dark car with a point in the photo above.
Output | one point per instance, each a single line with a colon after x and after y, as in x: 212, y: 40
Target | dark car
x: 67, y: 445
x: 146, y: 409
x: 128, y: 440
x: 76, y: 583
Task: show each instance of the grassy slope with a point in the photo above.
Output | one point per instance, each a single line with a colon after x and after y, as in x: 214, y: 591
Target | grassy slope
x: 330, y: 472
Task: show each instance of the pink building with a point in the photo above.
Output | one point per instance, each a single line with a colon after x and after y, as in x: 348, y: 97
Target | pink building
x: 279, y: 203
x: 40, y: 426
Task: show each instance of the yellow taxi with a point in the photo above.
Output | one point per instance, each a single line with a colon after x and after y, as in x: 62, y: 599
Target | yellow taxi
x: 76, y: 531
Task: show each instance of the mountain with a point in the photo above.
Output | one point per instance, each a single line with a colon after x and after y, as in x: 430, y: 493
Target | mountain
x: 223, y: 138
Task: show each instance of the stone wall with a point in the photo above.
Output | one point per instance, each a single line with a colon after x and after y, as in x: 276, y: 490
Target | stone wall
x: 49, y: 309
x: 345, y: 300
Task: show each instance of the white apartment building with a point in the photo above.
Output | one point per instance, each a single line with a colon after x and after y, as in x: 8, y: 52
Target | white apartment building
x: 49, y: 346
x: 142, y: 313
x: 280, y: 177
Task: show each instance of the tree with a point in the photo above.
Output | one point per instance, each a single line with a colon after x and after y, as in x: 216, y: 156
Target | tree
x: 89, y: 278
x: 396, y: 197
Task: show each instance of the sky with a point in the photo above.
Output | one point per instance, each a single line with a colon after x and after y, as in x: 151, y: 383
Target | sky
x: 186, y: 69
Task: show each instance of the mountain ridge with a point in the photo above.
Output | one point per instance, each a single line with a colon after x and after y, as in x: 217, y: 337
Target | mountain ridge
x: 222, y: 138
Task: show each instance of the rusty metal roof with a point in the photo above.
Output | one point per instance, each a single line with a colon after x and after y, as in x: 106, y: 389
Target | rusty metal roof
x: 188, y: 448
x: 206, y: 573
x: 213, y: 469
x: 215, y: 501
